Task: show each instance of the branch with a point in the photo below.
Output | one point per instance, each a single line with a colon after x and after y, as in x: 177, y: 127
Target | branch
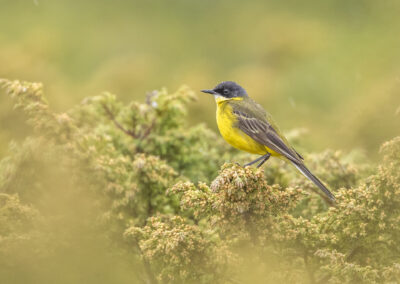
x: 111, y: 115
x: 117, y: 124
x: 148, y: 130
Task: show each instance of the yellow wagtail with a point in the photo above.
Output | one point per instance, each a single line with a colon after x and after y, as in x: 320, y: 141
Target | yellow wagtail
x: 247, y: 126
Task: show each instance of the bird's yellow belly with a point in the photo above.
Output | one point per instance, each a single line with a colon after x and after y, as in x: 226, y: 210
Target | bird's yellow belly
x: 234, y: 136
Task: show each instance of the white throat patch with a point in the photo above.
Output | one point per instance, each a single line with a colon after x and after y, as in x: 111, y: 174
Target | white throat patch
x: 219, y: 98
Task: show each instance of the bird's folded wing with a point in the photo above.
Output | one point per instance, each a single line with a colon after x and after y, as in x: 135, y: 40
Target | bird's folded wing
x: 264, y: 133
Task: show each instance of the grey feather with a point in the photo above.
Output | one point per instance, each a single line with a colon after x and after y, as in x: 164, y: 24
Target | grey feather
x: 254, y: 121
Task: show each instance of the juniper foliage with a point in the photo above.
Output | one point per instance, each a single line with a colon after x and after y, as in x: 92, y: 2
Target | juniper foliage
x: 134, y: 189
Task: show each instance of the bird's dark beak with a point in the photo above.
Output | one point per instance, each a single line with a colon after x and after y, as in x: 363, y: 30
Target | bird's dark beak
x: 212, y: 92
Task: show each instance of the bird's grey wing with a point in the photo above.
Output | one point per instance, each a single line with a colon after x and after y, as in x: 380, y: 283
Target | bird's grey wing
x: 264, y: 133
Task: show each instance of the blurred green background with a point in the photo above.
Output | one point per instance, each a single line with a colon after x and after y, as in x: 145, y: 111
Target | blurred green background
x: 332, y: 66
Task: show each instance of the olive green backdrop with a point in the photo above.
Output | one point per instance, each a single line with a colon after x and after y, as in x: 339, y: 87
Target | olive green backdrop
x: 330, y: 67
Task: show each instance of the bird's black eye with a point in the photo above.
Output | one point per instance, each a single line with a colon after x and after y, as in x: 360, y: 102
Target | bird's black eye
x: 226, y: 92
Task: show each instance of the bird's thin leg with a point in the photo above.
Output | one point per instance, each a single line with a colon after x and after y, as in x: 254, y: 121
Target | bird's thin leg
x: 266, y: 157
x: 256, y: 160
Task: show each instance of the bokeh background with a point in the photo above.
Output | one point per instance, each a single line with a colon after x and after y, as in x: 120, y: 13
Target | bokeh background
x: 331, y: 67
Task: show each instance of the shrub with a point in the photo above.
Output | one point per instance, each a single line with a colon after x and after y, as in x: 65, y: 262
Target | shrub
x: 136, y: 181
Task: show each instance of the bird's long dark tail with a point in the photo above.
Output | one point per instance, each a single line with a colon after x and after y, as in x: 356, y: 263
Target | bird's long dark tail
x: 306, y: 172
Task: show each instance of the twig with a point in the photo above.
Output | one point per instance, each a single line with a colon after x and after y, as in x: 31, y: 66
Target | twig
x: 143, y: 135
x: 148, y: 130
x: 117, y: 124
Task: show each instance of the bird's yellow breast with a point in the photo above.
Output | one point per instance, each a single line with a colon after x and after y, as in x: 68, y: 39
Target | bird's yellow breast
x: 227, y: 121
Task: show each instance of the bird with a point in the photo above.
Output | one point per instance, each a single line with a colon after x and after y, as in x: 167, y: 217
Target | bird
x: 245, y: 125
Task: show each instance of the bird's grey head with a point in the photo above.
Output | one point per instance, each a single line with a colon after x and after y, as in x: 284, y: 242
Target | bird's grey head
x: 228, y: 90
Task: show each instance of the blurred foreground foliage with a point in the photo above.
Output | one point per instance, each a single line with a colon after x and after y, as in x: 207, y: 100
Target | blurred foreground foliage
x: 114, y: 193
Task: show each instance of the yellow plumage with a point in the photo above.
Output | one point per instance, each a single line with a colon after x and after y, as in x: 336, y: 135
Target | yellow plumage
x: 227, y: 121
x: 247, y: 126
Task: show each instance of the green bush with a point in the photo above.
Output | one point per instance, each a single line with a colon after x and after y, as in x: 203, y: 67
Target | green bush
x: 138, y: 195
